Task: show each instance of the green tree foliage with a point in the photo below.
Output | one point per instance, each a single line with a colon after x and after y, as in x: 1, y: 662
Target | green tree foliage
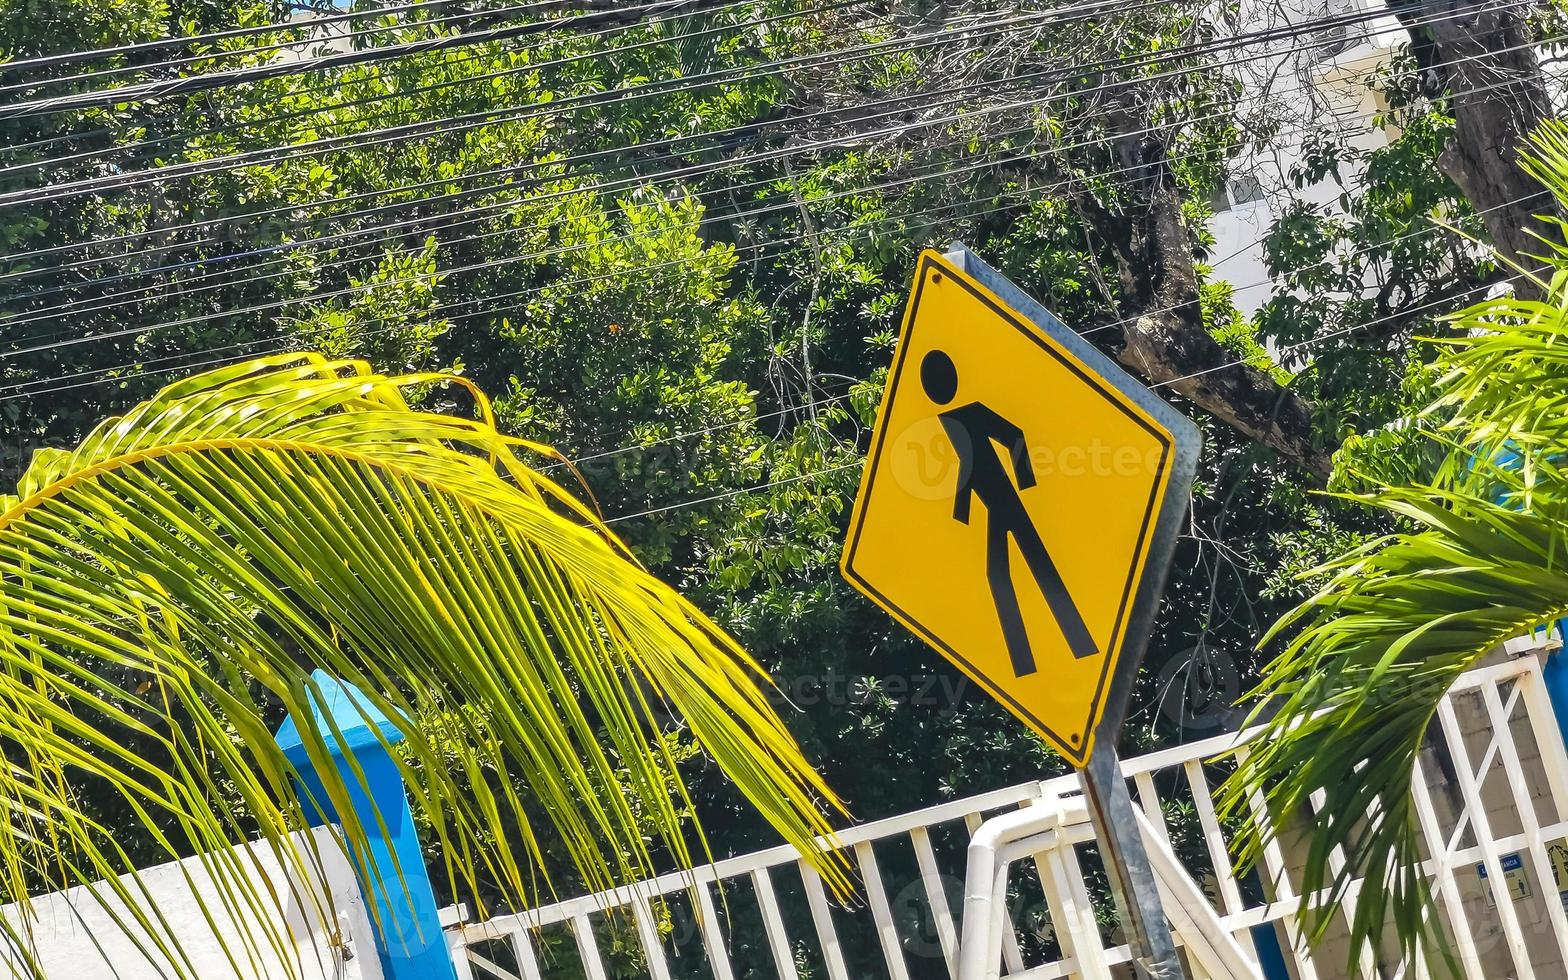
x: 678, y: 250
x: 753, y: 303
x: 1396, y: 251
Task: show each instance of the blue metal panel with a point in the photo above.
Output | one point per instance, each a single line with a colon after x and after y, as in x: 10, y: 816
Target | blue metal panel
x: 392, y: 871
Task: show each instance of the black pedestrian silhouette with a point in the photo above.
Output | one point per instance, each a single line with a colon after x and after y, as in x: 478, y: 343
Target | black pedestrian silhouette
x: 972, y: 429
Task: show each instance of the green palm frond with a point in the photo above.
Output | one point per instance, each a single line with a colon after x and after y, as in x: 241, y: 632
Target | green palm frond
x: 175, y: 578
x: 1485, y: 559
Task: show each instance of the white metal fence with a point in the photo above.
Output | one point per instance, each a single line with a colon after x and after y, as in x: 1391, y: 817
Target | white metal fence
x: 1492, y: 801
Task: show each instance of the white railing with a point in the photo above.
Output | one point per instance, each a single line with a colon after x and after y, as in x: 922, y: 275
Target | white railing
x: 1491, y: 794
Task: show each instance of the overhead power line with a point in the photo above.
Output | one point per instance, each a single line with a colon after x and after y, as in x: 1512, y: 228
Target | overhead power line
x: 677, y: 147
x: 431, y: 225
x: 351, y: 291
x: 532, y: 110
x: 493, y: 262
x: 248, y: 276
x: 491, y: 300
x: 26, y: 389
x: 332, y: 82
x: 313, y: 36
x: 438, y: 182
x: 460, y: 123
x: 191, y: 84
x: 648, y: 274
x: 163, y: 44
x: 630, y: 447
x: 427, y: 223
x: 840, y: 468
x: 722, y: 495
x: 1347, y: 330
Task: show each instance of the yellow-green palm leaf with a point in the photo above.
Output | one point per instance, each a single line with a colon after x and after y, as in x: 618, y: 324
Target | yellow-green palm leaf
x: 179, y: 574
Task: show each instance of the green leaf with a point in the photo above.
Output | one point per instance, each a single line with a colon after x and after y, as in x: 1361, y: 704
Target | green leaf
x: 249, y: 524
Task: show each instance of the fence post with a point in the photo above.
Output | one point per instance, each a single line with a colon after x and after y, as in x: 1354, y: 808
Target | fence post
x: 392, y: 875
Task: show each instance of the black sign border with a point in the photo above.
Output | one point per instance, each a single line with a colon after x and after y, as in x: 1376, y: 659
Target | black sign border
x: 1181, y: 444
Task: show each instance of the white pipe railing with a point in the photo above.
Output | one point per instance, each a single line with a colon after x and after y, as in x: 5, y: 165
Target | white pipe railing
x: 1509, y: 804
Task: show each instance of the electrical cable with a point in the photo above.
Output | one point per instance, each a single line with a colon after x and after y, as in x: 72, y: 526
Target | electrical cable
x: 813, y: 474
x: 642, y: 90
x: 349, y: 291
x: 36, y: 385
x: 186, y: 136
x: 248, y: 275
x: 454, y: 195
x: 827, y: 400
x: 618, y: 150
x: 95, y: 304
x: 482, y: 213
x: 78, y: 309
x: 207, y: 81
x: 438, y: 182
x: 469, y: 121
x: 522, y: 257
x: 101, y: 54
x: 128, y: 94
x: 320, y: 39
x: 1352, y: 328
x: 891, y: 107
x: 448, y: 308
x: 1169, y: 382
x: 362, y: 141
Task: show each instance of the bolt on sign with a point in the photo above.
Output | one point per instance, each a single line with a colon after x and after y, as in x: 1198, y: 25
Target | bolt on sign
x: 1020, y: 501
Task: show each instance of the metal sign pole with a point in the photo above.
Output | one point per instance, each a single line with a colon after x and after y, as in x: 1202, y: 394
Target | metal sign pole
x: 1127, y: 865
x: 974, y: 357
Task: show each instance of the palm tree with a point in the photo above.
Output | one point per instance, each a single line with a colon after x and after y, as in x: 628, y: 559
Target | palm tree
x: 1481, y: 556
x: 175, y: 578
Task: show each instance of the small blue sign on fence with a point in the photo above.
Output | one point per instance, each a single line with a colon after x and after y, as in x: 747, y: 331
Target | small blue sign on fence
x: 1509, y: 862
x: 1515, y: 881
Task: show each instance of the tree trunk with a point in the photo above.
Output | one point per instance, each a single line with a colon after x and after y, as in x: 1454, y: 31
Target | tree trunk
x: 1477, y: 60
x: 1161, y: 335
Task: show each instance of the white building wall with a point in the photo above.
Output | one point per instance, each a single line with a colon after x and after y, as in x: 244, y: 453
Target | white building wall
x: 77, y: 937
x: 1311, y: 89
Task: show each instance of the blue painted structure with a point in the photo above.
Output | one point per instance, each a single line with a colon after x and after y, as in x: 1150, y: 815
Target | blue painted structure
x: 1265, y: 939
x: 1271, y: 958
x: 1554, y: 668
x: 1554, y: 673
x: 396, y: 885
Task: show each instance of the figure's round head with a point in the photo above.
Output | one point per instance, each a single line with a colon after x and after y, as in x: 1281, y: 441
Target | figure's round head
x: 939, y: 377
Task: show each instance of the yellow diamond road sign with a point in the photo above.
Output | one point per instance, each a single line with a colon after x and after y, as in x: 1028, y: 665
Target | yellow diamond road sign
x: 1020, y: 501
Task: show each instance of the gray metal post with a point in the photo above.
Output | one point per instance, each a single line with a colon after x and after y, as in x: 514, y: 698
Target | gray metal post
x: 1133, y: 884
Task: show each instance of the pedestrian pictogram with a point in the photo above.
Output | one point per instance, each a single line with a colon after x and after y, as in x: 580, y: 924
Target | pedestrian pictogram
x: 976, y: 432
x: 1019, y: 502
